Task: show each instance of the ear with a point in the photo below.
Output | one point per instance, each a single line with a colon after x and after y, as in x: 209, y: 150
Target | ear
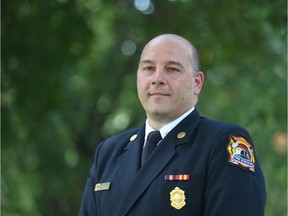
x: 199, y: 80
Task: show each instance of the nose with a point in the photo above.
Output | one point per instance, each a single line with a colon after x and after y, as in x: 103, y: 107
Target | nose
x: 158, y: 78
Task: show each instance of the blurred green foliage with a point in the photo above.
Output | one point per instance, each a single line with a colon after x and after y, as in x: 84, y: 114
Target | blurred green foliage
x: 68, y: 82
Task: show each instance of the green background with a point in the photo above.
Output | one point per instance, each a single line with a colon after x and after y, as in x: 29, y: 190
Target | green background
x: 68, y: 82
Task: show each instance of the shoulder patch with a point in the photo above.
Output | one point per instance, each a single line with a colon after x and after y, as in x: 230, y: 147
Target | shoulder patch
x: 241, y: 153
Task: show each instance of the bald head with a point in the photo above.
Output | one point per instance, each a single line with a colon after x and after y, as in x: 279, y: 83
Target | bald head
x: 182, y: 42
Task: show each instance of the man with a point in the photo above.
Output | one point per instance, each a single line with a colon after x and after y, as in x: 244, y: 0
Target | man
x: 199, y: 167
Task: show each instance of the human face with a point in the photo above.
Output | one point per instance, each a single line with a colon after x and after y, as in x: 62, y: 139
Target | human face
x: 166, y: 83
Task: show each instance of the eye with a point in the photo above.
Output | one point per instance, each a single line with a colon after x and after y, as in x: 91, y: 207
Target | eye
x: 148, y: 68
x: 173, y: 69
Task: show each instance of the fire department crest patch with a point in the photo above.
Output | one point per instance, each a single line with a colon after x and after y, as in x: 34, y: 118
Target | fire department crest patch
x: 241, y: 153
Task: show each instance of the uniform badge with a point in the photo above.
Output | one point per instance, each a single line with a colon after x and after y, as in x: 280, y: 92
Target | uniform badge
x: 241, y: 153
x: 177, y: 198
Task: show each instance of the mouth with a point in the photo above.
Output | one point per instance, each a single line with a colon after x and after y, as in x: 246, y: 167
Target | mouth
x: 158, y: 94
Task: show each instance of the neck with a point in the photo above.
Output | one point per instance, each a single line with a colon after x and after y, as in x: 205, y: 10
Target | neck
x: 157, y: 121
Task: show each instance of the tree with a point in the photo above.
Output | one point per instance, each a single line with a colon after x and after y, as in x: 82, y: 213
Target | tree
x: 69, y: 81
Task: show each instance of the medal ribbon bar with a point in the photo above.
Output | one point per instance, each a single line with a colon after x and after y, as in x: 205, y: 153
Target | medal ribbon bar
x: 177, y: 177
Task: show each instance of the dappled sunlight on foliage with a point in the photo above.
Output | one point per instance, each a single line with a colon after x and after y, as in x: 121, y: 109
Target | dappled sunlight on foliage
x: 69, y: 81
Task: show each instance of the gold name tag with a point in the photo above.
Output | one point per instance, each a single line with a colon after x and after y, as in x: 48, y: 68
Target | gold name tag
x: 102, y: 186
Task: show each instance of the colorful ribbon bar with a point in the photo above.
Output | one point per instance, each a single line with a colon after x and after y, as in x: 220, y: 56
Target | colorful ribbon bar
x: 177, y: 177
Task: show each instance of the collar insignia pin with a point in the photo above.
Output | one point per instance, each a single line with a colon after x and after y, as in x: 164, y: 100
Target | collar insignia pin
x: 181, y: 135
x: 133, y: 137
